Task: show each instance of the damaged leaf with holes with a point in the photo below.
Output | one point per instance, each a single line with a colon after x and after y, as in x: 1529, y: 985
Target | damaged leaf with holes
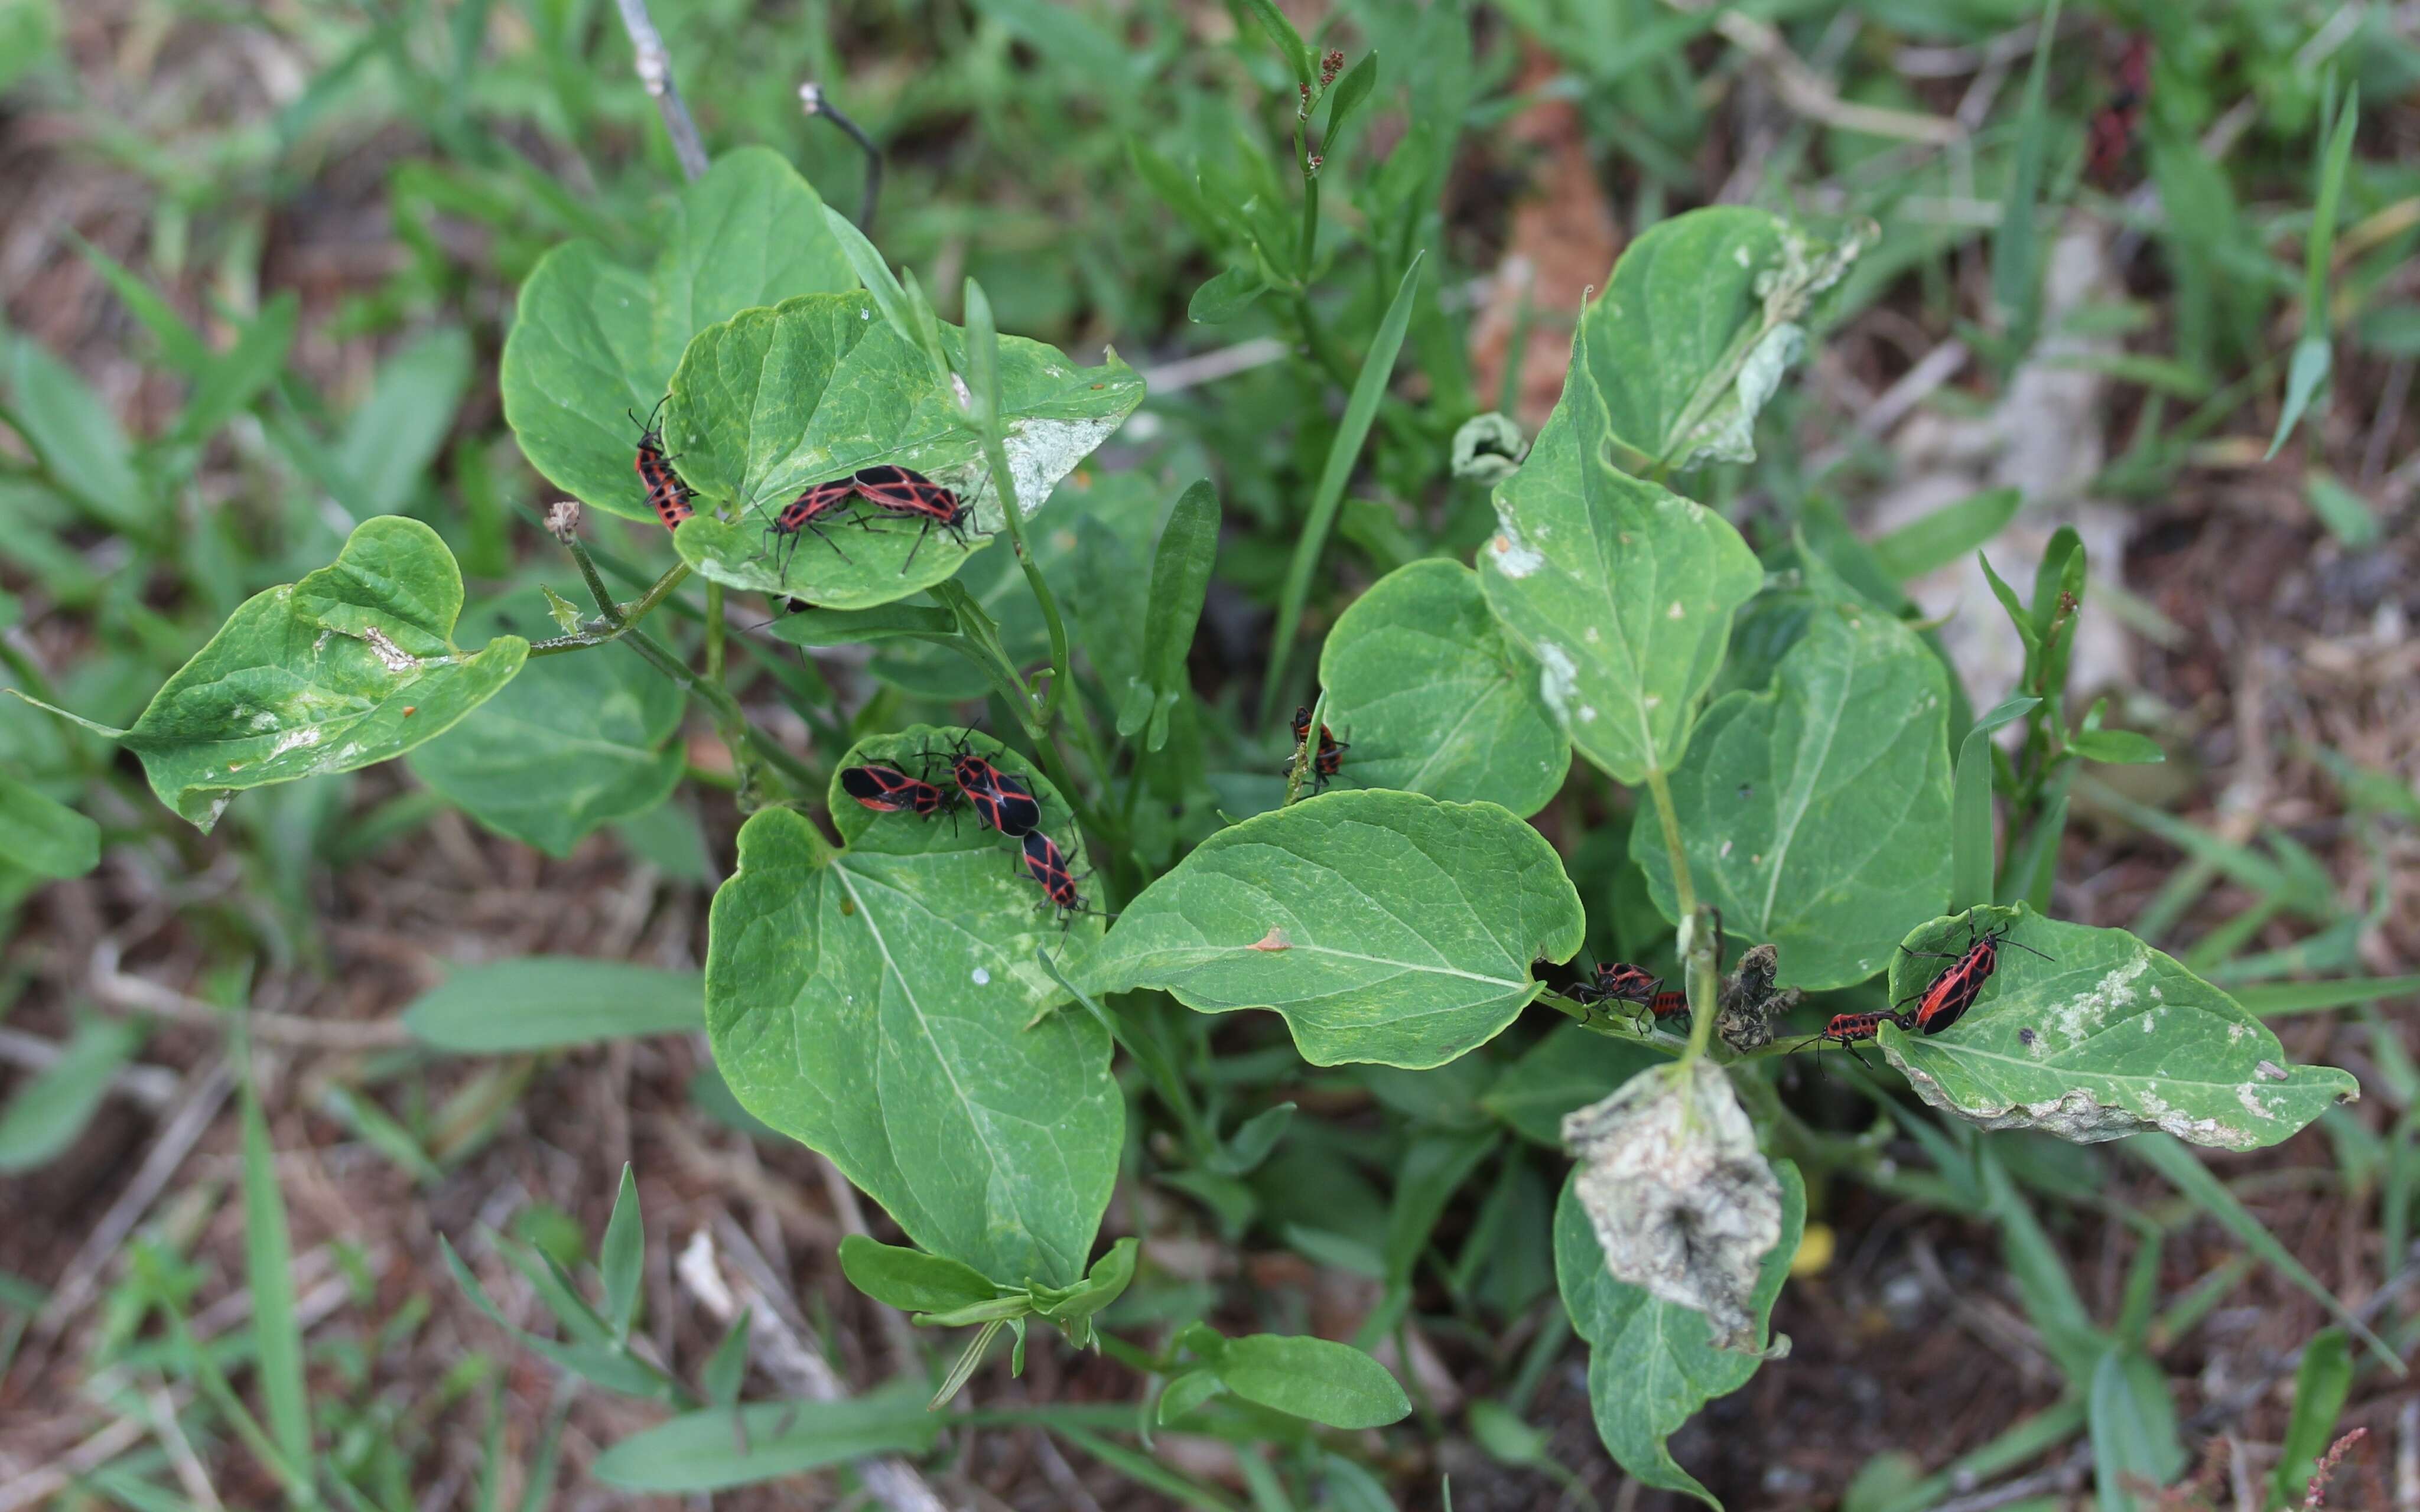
x: 2090, y: 1034
x: 352, y: 665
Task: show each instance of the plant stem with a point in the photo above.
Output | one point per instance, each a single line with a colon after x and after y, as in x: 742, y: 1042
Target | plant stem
x: 1698, y: 951
x: 996, y: 458
x: 714, y: 632
x: 597, y: 588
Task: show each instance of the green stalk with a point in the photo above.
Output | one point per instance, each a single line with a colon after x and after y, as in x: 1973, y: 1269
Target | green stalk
x: 714, y: 632
x: 1697, y: 956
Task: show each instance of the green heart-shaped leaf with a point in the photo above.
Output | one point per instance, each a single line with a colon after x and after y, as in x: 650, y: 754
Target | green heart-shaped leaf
x: 1653, y: 1363
x: 1385, y: 927
x: 575, y: 742
x: 352, y: 665
x: 1434, y: 698
x: 773, y: 401
x: 1817, y: 813
x: 592, y: 339
x: 1622, y: 591
x: 884, y: 1005
x: 2104, y: 1038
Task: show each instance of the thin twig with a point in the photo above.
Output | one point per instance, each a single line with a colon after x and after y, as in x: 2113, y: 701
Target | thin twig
x: 1809, y: 94
x: 656, y: 76
x: 780, y: 1345
x: 116, y: 987
x: 810, y: 99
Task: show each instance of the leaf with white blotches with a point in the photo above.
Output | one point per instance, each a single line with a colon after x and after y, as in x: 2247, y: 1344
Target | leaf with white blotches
x: 773, y: 401
x: 2103, y: 1039
x: 1621, y: 590
x: 1684, y: 1205
x: 348, y: 666
x: 1653, y: 1363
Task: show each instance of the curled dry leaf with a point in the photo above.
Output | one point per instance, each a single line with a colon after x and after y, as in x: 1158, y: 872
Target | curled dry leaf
x: 1682, y: 1204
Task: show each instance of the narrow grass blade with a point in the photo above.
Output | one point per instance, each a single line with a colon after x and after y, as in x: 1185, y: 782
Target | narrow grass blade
x: 1947, y: 533
x: 1971, y: 856
x: 1359, y: 411
x: 2016, y: 256
x: 2311, y: 353
x: 269, y: 1270
x: 620, y: 1258
x: 2316, y: 997
x: 2183, y: 1170
x: 2133, y: 1424
x: 2320, y: 1386
x: 1143, y: 1470
x: 44, y: 1116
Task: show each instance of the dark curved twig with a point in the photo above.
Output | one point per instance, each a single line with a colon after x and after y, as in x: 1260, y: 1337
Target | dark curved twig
x: 811, y: 98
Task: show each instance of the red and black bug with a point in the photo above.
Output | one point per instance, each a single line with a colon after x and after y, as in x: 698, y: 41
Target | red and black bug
x: 666, y: 494
x: 1047, y: 865
x: 2114, y: 125
x: 802, y: 514
x: 889, y: 790
x: 897, y: 490
x: 1951, y: 994
x: 1001, y: 801
x: 1847, y: 1030
x: 1328, y: 759
x: 1614, y: 981
x: 1664, y: 1005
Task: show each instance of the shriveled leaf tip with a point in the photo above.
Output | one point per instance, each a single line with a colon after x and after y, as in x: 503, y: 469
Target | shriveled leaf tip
x: 1684, y: 1205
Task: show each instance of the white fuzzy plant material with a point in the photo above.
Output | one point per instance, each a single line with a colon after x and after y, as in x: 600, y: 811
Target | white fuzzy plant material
x: 1684, y: 1205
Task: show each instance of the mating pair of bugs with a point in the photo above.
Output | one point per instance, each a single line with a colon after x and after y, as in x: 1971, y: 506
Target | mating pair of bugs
x: 1944, y: 1000
x: 893, y: 490
x: 1328, y: 759
x: 1000, y: 802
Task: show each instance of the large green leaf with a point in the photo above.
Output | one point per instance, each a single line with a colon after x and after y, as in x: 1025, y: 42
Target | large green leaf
x: 885, y: 1005
x: 593, y: 339
x: 775, y: 400
x: 1692, y: 336
x: 1434, y: 698
x: 1816, y: 814
x: 350, y: 665
x: 574, y: 742
x: 1622, y: 591
x: 1651, y: 1364
x: 1385, y: 927
x: 2105, y: 1038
